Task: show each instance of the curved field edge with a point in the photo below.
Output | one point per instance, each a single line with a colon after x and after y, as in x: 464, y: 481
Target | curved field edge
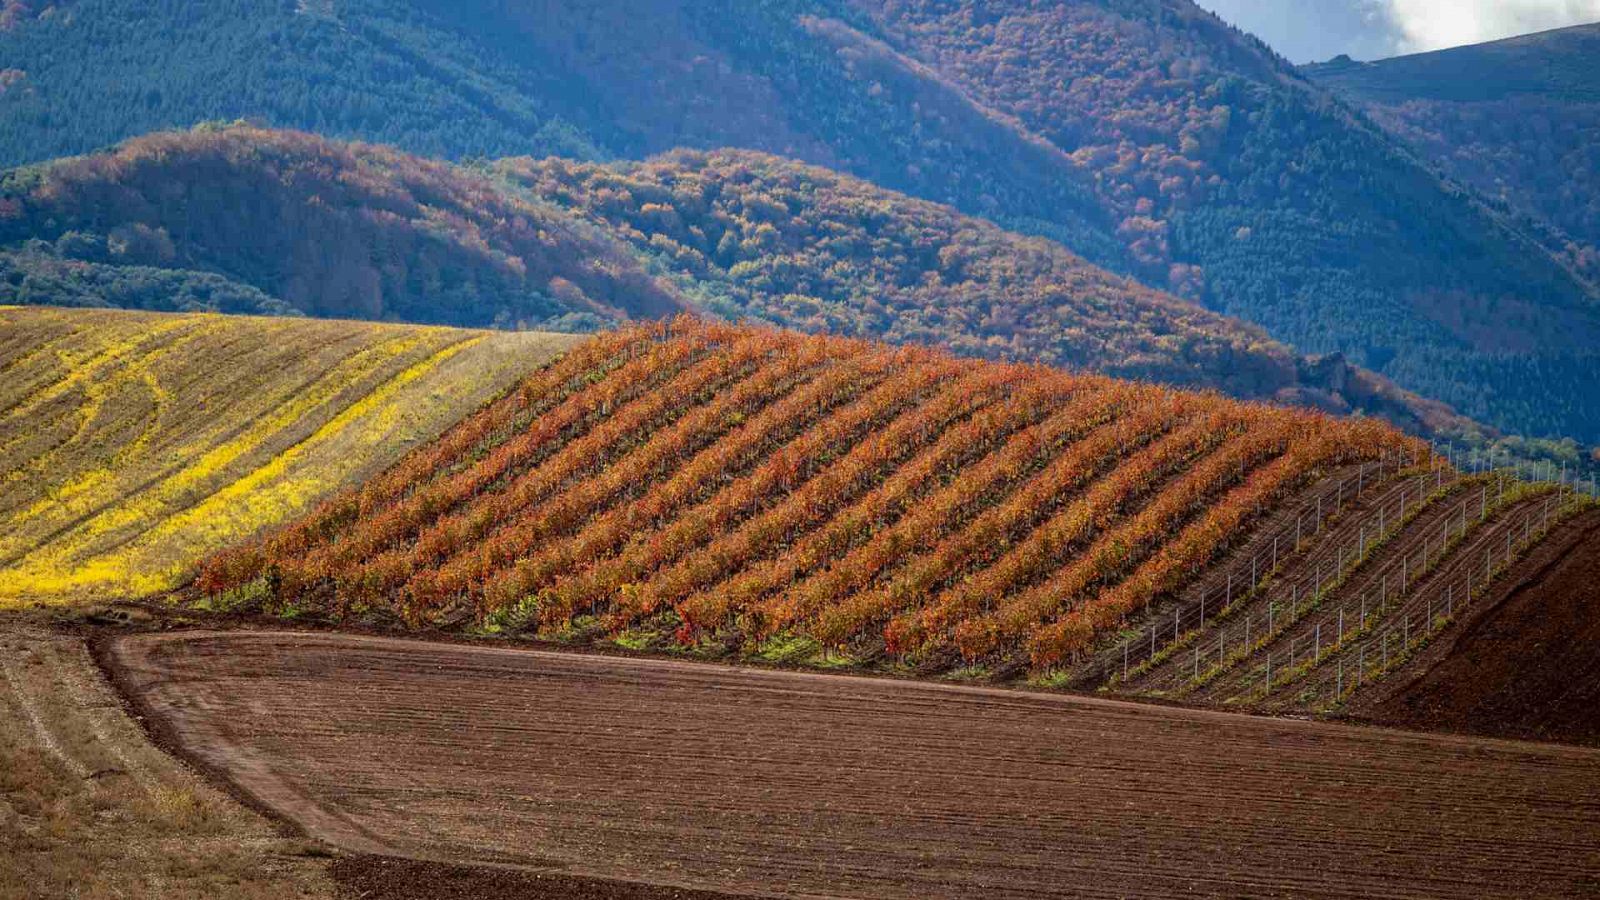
x: 134, y: 444
x: 91, y: 807
x: 1396, y: 812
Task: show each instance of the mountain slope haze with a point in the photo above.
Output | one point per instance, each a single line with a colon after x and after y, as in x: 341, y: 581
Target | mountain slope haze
x: 1147, y: 136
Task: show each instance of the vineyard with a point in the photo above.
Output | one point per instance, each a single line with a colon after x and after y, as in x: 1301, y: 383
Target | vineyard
x: 1361, y: 578
x: 709, y: 485
x: 134, y: 444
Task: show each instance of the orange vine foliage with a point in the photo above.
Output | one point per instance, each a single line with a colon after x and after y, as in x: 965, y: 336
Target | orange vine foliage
x: 733, y: 482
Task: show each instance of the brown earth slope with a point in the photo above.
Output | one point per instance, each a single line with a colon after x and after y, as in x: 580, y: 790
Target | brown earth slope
x: 1523, y: 665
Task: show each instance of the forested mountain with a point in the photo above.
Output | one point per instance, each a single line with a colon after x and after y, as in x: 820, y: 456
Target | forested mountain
x: 250, y: 220
x: 1145, y: 135
x: 1517, y: 119
x: 244, y: 220
x: 490, y: 78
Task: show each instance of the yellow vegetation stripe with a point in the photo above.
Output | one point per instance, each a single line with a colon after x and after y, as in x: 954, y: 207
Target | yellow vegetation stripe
x: 87, y: 363
x: 173, y: 488
x: 328, y: 387
x: 88, y: 483
x: 136, y: 367
x: 264, y: 496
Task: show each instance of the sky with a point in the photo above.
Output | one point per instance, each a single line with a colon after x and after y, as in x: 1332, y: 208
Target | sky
x: 1316, y: 30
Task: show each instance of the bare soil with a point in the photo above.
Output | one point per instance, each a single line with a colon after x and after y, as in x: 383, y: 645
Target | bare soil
x: 90, y: 809
x: 770, y: 783
x: 391, y: 878
x: 1522, y: 665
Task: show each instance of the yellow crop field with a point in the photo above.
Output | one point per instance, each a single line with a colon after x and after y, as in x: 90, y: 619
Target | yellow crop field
x: 134, y: 444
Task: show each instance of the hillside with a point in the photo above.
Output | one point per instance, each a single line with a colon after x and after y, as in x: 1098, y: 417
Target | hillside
x: 1148, y: 137
x: 580, y: 80
x: 746, y: 235
x: 243, y: 219
x: 134, y: 444
x: 738, y: 485
x: 1517, y: 119
x: 1520, y: 666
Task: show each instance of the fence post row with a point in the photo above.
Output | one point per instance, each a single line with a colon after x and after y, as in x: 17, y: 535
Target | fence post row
x: 1475, y: 461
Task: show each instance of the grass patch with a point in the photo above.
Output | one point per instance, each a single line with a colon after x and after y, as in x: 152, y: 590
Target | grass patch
x: 787, y: 647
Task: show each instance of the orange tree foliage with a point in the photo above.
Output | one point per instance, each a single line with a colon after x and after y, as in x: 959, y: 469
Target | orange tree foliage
x: 243, y: 219
x: 327, y: 228
x: 751, y: 235
x: 735, y: 482
x: 1145, y: 135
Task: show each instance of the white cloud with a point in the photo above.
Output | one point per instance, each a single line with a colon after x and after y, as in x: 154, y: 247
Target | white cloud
x: 1435, y: 24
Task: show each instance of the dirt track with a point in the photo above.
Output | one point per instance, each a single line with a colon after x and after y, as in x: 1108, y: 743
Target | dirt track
x: 768, y: 783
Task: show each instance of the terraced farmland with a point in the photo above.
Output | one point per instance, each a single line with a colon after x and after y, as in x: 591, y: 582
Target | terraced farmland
x: 708, y: 484
x: 134, y: 444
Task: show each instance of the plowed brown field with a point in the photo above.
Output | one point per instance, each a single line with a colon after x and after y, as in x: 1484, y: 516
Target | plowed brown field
x: 767, y: 783
x: 1522, y: 665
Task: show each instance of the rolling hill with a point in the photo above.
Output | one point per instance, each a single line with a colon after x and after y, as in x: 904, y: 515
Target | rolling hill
x: 134, y: 444
x: 240, y: 220
x: 243, y: 219
x: 1146, y: 136
x: 1517, y: 119
x: 729, y: 484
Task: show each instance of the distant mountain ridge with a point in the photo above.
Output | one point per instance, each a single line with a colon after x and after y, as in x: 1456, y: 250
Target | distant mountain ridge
x: 249, y: 220
x: 1562, y: 62
x: 1145, y: 135
x: 1518, y: 119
